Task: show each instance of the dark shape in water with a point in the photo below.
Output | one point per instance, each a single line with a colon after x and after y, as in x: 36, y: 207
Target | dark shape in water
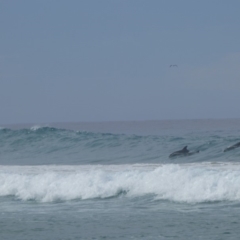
x: 232, y: 147
x: 183, y: 152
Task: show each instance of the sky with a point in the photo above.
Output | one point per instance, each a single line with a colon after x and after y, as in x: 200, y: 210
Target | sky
x: 91, y: 60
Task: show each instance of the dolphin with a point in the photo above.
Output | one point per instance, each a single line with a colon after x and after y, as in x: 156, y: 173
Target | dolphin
x: 232, y: 147
x: 183, y: 152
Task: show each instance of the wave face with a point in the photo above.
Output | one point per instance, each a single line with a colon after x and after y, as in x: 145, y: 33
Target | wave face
x: 191, y: 183
x: 48, y: 145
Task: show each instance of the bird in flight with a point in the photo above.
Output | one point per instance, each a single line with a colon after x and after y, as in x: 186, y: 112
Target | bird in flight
x: 173, y: 65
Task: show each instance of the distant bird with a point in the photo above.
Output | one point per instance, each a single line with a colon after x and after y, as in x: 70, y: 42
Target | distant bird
x: 173, y: 65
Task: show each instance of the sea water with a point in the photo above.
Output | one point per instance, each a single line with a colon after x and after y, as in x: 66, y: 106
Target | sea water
x: 115, y: 180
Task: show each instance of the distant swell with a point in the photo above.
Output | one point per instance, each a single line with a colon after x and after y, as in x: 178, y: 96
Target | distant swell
x: 194, y: 183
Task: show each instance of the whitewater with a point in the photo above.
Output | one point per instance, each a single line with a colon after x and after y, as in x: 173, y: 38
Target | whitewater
x: 115, y: 180
x: 194, y: 183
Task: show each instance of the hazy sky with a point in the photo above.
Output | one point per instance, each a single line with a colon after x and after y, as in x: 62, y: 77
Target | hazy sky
x: 109, y: 60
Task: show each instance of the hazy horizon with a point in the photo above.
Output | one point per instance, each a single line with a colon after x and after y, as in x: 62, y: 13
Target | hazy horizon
x: 116, y: 121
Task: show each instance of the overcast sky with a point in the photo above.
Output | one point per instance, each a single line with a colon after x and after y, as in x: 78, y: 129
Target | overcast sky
x: 110, y: 60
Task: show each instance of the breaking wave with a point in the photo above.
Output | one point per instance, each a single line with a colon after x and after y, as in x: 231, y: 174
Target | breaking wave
x: 190, y: 183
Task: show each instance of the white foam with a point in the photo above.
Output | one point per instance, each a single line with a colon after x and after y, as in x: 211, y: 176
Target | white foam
x: 36, y: 127
x: 182, y: 183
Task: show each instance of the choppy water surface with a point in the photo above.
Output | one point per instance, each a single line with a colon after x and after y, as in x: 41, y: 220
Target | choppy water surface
x: 116, y: 181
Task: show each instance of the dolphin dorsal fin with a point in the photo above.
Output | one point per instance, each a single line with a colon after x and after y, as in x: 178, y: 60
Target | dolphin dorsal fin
x: 185, y: 148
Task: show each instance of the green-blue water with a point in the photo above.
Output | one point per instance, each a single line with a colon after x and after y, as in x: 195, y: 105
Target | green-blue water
x: 116, y: 181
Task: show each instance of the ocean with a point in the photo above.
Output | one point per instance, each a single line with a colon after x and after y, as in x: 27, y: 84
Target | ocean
x: 115, y: 180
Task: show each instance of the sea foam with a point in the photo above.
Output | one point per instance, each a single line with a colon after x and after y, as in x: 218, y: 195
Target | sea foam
x: 193, y: 183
